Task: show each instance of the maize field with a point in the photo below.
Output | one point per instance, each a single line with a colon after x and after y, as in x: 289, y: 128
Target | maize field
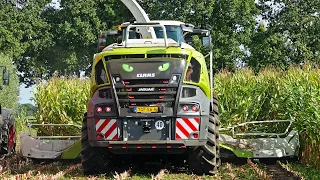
x: 243, y: 96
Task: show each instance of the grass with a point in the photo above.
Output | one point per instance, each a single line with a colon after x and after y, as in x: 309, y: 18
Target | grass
x: 73, y: 171
x: 18, y: 167
x: 306, y: 171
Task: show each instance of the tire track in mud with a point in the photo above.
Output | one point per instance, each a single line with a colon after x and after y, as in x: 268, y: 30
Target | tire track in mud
x: 262, y: 173
x: 277, y: 172
x: 292, y: 171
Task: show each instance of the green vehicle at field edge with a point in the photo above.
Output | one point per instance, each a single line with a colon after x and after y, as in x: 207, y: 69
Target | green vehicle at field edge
x: 7, y: 123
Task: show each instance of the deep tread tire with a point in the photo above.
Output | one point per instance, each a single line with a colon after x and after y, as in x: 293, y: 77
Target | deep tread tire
x: 92, y: 160
x: 206, y: 159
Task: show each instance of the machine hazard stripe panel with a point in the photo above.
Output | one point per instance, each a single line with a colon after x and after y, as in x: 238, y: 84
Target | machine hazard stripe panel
x: 185, y: 126
x: 107, y: 127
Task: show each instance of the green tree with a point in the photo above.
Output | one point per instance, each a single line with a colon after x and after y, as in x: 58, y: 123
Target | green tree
x: 193, y: 11
x: 23, y: 34
x: 9, y: 94
x: 43, y: 39
x: 231, y: 22
x: 267, y: 49
x: 71, y: 37
x: 292, y: 36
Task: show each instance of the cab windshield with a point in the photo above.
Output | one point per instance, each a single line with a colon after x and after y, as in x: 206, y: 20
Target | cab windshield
x: 173, y: 32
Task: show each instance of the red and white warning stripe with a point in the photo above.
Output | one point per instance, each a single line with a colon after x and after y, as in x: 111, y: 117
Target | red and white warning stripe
x: 185, y: 126
x: 107, y: 127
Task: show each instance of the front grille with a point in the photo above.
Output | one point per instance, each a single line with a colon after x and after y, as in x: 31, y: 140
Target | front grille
x: 146, y: 92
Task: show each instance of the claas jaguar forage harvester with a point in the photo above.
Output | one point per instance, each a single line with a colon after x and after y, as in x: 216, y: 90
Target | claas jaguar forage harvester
x: 151, y: 96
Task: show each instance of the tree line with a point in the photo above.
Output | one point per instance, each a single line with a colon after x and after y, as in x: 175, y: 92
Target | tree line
x: 43, y: 38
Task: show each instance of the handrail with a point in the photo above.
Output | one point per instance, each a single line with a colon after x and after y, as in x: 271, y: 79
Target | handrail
x: 78, y: 126
x: 30, y: 125
x: 55, y: 137
x: 146, y: 25
x: 258, y: 134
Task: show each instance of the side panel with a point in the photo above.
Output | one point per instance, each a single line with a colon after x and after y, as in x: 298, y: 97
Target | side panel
x: 186, y: 126
x: 72, y: 152
x: 107, y: 128
x: 191, y: 122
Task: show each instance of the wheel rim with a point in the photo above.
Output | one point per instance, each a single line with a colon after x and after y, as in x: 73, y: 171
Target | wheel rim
x: 11, y: 139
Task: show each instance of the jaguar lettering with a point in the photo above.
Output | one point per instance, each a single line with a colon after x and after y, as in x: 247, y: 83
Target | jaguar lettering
x: 146, y: 89
x: 146, y: 75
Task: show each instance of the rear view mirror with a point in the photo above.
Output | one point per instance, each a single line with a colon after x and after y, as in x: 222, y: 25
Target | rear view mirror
x: 119, y: 39
x: 6, y: 76
x: 187, y: 27
x: 103, y: 38
x: 102, y: 43
x: 206, y: 42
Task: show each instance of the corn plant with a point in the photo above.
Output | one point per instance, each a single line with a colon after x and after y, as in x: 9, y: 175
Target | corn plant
x: 61, y: 101
x: 273, y: 94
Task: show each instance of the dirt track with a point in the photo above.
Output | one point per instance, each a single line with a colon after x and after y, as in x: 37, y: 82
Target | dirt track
x: 279, y: 173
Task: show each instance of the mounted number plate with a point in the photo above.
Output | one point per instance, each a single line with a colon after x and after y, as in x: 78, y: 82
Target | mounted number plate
x: 142, y: 109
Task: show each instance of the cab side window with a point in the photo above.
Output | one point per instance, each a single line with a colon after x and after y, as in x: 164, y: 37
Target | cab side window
x: 193, y: 72
x: 100, y: 73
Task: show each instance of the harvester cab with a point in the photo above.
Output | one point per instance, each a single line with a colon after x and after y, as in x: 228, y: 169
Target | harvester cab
x: 7, y: 122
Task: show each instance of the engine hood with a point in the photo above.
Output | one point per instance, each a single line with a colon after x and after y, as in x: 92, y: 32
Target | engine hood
x: 146, y: 69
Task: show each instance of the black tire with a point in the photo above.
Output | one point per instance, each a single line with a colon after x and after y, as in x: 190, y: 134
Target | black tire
x: 206, y: 159
x: 8, y: 145
x: 217, y: 126
x: 92, y: 160
x: 215, y: 108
